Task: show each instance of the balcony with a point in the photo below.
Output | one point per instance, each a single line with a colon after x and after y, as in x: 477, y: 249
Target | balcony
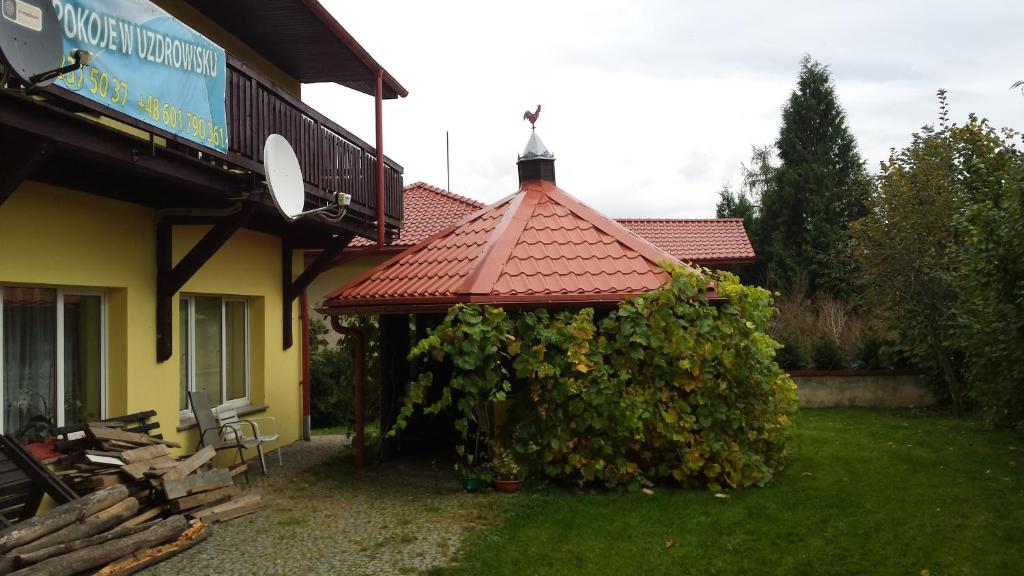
x: 96, y: 144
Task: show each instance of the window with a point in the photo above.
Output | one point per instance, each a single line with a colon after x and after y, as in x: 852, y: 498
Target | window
x: 214, y: 350
x: 52, y: 359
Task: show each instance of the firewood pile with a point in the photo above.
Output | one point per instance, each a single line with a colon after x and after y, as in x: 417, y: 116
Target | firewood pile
x: 141, y: 505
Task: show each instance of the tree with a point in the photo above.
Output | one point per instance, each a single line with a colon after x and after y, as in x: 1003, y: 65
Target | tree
x: 906, y: 249
x: 942, y: 255
x: 819, y: 187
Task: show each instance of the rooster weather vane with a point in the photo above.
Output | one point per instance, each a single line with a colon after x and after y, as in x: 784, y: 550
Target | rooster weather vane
x: 532, y: 117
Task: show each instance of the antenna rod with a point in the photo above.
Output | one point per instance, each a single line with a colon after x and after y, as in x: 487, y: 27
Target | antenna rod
x: 447, y: 161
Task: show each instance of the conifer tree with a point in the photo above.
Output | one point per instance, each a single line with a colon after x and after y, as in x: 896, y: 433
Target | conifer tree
x: 819, y: 187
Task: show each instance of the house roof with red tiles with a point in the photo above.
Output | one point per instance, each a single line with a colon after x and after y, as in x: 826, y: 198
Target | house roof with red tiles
x: 704, y: 242
x: 537, y: 247
x: 426, y: 210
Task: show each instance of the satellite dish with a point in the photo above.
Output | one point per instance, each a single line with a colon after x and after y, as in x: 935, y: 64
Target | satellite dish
x: 31, y: 42
x: 284, y: 177
x: 284, y: 180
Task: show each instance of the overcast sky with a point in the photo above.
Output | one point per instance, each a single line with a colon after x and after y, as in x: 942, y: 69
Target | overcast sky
x: 651, y: 106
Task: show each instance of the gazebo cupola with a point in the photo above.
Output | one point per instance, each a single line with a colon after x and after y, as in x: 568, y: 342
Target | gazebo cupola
x: 536, y: 162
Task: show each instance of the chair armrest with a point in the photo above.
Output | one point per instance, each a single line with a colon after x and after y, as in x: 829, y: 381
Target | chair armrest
x: 255, y: 427
x: 270, y: 418
x: 220, y: 429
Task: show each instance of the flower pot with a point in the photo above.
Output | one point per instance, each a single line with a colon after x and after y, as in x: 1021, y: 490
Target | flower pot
x: 508, y: 486
x: 471, y: 484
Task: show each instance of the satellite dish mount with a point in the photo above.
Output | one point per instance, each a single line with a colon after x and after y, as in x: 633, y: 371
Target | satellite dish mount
x: 32, y: 44
x: 284, y: 181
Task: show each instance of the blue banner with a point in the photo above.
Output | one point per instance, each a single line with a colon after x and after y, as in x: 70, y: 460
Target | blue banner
x: 147, y: 65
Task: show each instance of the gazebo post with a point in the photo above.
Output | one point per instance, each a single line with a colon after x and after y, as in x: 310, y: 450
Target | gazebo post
x: 359, y: 442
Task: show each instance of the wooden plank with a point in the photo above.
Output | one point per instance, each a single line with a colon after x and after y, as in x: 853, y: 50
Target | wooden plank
x: 233, y: 509
x: 238, y: 470
x: 204, y: 498
x: 144, y: 516
x: 191, y: 464
x: 99, y: 481
x: 104, y: 459
x: 105, y: 433
x: 217, y: 478
x: 144, y: 453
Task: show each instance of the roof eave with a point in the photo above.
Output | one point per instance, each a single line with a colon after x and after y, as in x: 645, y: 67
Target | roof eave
x: 328, y: 20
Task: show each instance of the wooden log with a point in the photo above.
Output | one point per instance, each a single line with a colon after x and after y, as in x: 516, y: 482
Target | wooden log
x: 217, y: 478
x: 28, y: 558
x: 59, y: 517
x: 144, y: 516
x: 99, y: 522
x: 203, y: 498
x: 100, y: 554
x: 238, y: 470
x: 150, y: 556
x: 190, y: 464
x: 144, y: 453
x: 238, y: 507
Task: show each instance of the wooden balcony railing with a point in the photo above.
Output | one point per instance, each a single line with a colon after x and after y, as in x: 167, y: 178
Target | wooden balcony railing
x: 332, y: 159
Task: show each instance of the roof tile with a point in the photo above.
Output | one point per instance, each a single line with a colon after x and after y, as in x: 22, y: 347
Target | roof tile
x: 554, y: 245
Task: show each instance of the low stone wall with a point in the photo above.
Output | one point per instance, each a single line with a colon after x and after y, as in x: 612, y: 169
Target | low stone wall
x: 862, y: 389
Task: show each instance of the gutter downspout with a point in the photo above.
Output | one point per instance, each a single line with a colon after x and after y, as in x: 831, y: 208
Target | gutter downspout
x: 379, y: 97
x: 307, y: 422
x: 359, y: 442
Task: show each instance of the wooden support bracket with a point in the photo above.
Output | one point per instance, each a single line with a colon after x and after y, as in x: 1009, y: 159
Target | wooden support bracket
x: 171, y: 278
x: 19, y: 163
x: 293, y: 288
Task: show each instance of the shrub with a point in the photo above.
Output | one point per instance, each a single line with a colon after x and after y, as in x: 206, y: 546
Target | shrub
x: 668, y: 386
x: 826, y: 355
x: 331, y: 371
x: 791, y: 356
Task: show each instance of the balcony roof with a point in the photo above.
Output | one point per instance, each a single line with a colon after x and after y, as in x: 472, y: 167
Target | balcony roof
x: 303, y: 39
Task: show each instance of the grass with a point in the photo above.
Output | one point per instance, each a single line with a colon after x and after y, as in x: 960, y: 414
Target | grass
x: 867, y: 492
x: 371, y: 431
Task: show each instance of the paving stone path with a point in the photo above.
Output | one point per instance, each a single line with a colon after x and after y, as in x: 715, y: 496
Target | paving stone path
x: 324, y: 517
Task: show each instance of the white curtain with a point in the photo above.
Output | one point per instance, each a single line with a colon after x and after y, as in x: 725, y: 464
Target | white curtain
x: 29, y: 359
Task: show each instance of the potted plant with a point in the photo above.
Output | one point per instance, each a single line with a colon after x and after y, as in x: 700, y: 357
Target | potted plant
x: 472, y: 476
x: 506, y: 471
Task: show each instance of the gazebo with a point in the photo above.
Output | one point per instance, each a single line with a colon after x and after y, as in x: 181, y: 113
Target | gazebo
x: 539, y: 247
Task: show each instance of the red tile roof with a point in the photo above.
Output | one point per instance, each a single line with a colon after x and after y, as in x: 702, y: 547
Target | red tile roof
x: 538, y: 246
x: 426, y: 210
x: 705, y: 242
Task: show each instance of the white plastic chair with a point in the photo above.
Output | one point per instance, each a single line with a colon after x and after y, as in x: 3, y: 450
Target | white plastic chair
x: 232, y: 428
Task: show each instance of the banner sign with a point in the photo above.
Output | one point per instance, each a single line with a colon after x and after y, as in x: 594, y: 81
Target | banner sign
x: 147, y: 65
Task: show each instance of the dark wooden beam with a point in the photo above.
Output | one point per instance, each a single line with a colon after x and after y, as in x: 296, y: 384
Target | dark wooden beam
x: 20, y: 160
x: 170, y: 279
x: 292, y: 288
x: 107, y: 145
x: 395, y: 342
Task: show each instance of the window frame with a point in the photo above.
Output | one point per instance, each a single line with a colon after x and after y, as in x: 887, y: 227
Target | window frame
x: 186, y: 414
x: 59, y: 415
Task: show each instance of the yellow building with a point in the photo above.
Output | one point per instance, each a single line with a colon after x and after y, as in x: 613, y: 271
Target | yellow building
x: 139, y: 260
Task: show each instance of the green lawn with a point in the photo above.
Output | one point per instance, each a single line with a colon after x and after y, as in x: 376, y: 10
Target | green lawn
x: 867, y: 492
